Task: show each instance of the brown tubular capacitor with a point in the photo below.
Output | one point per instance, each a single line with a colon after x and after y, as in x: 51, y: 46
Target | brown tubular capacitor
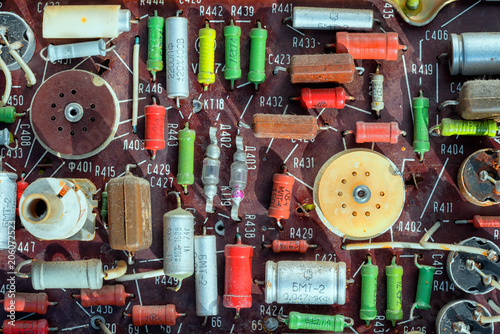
x: 478, y: 99
x: 333, y: 67
x: 285, y: 126
x: 129, y: 212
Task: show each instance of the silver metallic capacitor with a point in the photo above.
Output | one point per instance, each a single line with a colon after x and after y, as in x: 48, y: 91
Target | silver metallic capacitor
x: 474, y: 53
x: 332, y: 18
x: 8, y: 188
x: 210, y: 171
x: 6, y: 139
x: 176, y: 55
x: 75, y: 50
x: 377, y: 81
x: 238, y: 178
x: 205, y: 275
x: 306, y: 282
x: 178, y: 248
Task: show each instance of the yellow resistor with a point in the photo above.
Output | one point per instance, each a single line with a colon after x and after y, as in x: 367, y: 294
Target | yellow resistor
x: 206, y: 75
x: 452, y: 127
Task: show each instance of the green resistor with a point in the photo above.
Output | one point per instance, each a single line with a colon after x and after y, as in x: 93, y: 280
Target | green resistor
x: 452, y: 127
x: 206, y: 76
x: 155, y: 44
x: 369, y: 274
x: 257, y: 69
x: 320, y: 322
x: 104, y: 203
x: 394, y: 275
x: 424, y: 287
x: 185, y: 174
x: 232, y: 35
x: 9, y: 114
x: 421, y: 143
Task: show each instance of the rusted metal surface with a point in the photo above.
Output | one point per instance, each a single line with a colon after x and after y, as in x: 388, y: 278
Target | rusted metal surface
x: 285, y: 126
x: 333, y: 67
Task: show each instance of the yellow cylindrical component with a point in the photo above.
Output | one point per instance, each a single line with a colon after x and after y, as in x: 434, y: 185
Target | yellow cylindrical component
x: 206, y: 76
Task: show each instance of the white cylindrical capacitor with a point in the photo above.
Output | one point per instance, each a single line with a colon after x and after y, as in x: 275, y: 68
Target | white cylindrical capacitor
x: 332, y: 18
x: 377, y: 81
x: 176, y: 56
x: 178, y: 248
x: 83, y: 274
x: 8, y: 189
x: 306, y: 282
x: 205, y: 275
x: 76, y: 50
x: 86, y: 21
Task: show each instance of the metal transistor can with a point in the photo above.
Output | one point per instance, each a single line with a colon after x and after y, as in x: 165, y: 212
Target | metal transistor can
x: 205, y: 275
x: 8, y: 188
x: 176, y: 57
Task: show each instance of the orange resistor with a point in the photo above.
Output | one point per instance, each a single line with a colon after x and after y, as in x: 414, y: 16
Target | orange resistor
x: 28, y: 302
x: 27, y: 327
x: 155, y: 315
x: 21, y: 186
x: 281, y: 196
x: 323, y: 98
x: 155, y: 128
x: 377, y: 132
x: 299, y: 246
x: 107, y: 295
x: 380, y: 46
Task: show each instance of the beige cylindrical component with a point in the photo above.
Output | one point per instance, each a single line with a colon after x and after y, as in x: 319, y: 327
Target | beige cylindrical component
x: 129, y: 213
x: 87, y: 21
x: 83, y: 274
x: 285, y: 126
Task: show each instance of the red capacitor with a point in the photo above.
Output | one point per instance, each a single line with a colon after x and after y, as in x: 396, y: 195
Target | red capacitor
x: 381, y: 46
x: 485, y: 221
x: 21, y: 186
x: 27, y: 302
x: 26, y: 327
x: 377, y: 132
x: 155, y: 128
x: 299, y: 246
x: 155, y: 315
x: 107, y: 295
x: 238, y: 276
x: 281, y: 196
x: 323, y: 98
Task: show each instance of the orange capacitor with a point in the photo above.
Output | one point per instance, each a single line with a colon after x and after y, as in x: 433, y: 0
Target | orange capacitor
x: 27, y: 302
x: 380, y: 46
x: 238, y: 276
x: 323, y: 98
x: 281, y: 196
x: 155, y: 315
x: 21, y: 186
x: 155, y: 128
x: 285, y: 126
x: 299, y: 246
x: 378, y: 132
x: 333, y: 67
x: 107, y: 295
x: 27, y: 327
x: 482, y: 221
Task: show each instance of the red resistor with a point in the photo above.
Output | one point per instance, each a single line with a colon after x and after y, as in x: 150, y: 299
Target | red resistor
x: 380, y: 46
x: 155, y: 128
x: 482, y: 221
x: 27, y: 327
x: 155, y: 315
x: 21, y: 186
x: 299, y: 246
x: 107, y: 295
x: 27, y: 302
x: 281, y: 196
x: 378, y: 132
x: 238, y: 276
x: 323, y: 98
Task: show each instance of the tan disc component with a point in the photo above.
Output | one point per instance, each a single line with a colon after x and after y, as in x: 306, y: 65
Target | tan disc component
x: 359, y: 194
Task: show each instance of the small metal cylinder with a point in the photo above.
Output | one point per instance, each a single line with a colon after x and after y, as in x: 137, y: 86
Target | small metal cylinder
x: 82, y: 274
x: 76, y: 50
x: 333, y: 67
x: 332, y: 18
x: 474, y: 53
x: 306, y: 282
x: 176, y: 57
x: 7, y: 207
x: 205, y: 271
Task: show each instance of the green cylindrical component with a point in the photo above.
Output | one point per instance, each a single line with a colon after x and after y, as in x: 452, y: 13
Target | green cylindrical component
x: 155, y: 44
x: 421, y: 143
x: 412, y: 4
x: 369, y: 274
x: 257, y: 69
x: 232, y: 35
x: 394, y: 275
x: 8, y: 114
x: 104, y: 203
x: 424, y: 287
x: 452, y: 127
x: 185, y: 174
x: 206, y: 76
x: 320, y: 322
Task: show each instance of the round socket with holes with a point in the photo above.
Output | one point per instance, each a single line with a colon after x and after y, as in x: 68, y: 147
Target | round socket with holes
x: 17, y: 31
